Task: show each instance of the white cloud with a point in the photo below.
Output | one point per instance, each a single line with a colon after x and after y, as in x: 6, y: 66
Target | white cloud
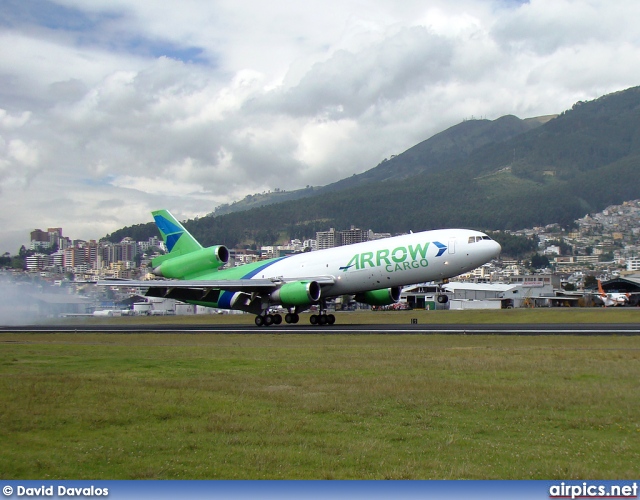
x: 25, y: 155
x: 9, y: 122
x: 323, y: 140
x: 112, y: 108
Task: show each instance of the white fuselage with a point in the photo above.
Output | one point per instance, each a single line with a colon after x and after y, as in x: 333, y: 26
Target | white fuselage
x: 390, y: 262
x: 614, y: 299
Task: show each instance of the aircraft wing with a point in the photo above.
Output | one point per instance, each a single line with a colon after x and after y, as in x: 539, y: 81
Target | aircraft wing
x: 242, y: 285
x: 229, y: 285
x: 212, y: 290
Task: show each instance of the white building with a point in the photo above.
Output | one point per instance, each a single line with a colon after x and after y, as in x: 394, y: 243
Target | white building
x: 505, y: 294
x: 552, y: 250
x: 633, y: 264
x: 37, y: 261
x: 312, y: 244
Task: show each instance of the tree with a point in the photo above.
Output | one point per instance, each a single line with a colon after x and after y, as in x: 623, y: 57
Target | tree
x: 514, y: 246
x: 565, y: 248
x: 5, y: 259
x: 605, y: 257
x: 590, y: 282
x: 539, y: 261
x: 18, y: 262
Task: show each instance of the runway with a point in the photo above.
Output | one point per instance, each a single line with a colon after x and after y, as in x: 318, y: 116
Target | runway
x: 391, y: 329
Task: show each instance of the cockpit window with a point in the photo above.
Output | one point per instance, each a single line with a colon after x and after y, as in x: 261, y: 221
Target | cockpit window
x: 473, y: 239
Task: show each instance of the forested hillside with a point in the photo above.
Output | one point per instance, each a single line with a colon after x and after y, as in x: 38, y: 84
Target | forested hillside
x: 580, y: 162
x: 443, y: 151
x: 439, y: 152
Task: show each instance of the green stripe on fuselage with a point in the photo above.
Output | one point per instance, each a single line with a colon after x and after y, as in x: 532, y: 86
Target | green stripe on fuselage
x: 246, y: 271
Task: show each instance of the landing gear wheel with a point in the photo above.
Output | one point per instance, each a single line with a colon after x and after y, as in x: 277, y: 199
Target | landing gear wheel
x: 259, y: 321
x: 443, y: 299
x: 322, y: 319
x: 277, y: 319
x: 292, y: 318
x: 268, y: 320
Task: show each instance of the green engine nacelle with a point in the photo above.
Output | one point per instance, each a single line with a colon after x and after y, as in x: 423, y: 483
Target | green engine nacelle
x: 384, y: 297
x: 298, y: 293
x: 192, y: 264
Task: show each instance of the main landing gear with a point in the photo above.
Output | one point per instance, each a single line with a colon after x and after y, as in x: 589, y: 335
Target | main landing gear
x: 276, y: 319
x: 322, y: 319
x: 292, y: 317
x: 268, y: 319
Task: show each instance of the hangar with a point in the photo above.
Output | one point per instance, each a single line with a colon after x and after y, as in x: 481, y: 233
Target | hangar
x: 507, y: 294
x: 483, y: 295
x: 629, y: 284
x: 424, y: 296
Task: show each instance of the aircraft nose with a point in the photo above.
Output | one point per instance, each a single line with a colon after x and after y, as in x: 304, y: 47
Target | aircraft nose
x: 496, y: 248
x: 491, y: 250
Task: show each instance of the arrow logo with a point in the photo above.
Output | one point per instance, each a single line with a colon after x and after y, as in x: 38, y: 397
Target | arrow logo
x: 441, y: 248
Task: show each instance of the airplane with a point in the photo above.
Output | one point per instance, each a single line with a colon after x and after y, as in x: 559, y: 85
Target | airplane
x: 374, y: 272
x: 612, y: 298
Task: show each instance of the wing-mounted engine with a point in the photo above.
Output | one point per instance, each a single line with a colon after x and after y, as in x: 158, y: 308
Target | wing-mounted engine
x: 384, y: 297
x: 297, y: 293
x: 193, y: 264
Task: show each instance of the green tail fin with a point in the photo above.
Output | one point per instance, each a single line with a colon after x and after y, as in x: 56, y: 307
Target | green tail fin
x: 176, y: 238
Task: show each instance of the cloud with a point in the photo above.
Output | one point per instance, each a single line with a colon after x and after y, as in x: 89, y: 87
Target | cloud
x: 112, y: 108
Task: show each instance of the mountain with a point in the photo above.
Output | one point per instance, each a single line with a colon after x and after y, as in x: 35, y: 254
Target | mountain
x: 261, y: 199
x: 437, y: 152
x: 443, y: 150
x: 502, y: 174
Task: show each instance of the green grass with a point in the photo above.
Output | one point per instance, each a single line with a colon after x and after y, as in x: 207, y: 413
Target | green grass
x: 206, y: 406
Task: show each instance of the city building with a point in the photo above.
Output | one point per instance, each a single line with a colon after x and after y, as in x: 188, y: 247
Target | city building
x: 326, y: 239
x: 353, y: 235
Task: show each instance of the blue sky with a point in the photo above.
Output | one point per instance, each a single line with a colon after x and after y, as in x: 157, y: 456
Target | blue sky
x: 106, y: 29
x: 112, y: 108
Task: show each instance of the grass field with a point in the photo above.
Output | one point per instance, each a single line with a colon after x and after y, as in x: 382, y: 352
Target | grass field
x: 207, y: 406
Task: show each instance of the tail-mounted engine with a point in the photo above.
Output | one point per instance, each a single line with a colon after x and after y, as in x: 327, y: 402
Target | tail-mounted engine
x: 193, y: 264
